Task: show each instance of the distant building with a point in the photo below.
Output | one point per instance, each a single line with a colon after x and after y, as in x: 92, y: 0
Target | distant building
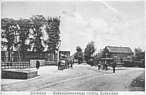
x: 118, y: 53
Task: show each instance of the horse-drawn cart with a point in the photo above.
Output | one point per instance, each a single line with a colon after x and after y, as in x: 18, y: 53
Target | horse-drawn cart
x: 63, y: 60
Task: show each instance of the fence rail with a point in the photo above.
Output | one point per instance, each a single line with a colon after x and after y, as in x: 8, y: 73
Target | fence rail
x: 15, y: 65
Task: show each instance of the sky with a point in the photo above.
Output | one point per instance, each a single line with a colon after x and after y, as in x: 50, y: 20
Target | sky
x: 107, y: 23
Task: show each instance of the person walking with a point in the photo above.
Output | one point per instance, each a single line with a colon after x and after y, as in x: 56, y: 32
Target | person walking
x: 99, y: 66
x: 106, y: 66
x: 114, y: 66
x: 37, y: 65
x: 71, y: 62
x: 66, y: 63
x: 59, y: 65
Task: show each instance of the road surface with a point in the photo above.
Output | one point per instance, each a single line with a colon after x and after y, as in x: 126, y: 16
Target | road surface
x: 81, y: 78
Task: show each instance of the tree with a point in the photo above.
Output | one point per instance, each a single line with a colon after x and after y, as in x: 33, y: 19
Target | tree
x: 78, y: 48
x: 138, y: 51
x: 23, y: 33
x: 9, y: 28
x: 53, y: 32
x: 79, y: 54
x: 24, y: 22
x: 7, y: 21
x: 140, y: 56
x: 13, y: 34
x: 16, y: 32
x: 89, y: 51
x: 10, y: 38
x: 38, y: 21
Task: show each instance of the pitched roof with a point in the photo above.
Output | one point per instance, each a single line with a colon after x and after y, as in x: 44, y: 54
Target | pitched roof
x: 114, y: 49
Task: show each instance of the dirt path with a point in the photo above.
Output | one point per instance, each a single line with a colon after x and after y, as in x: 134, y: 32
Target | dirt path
x: 82, y: 77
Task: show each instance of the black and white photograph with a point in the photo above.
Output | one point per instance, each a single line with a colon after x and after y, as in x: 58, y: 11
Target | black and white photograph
x: 92, y: 45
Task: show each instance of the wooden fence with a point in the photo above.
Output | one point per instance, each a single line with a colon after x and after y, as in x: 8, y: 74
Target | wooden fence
x: 15, y: 65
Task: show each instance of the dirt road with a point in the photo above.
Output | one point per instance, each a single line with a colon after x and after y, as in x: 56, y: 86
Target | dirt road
x: 80, y: 78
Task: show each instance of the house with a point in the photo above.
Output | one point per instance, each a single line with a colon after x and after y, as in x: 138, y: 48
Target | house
x: 117, y: 53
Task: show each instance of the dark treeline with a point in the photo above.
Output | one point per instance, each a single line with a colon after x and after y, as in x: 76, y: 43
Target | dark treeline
x: 26, y: 34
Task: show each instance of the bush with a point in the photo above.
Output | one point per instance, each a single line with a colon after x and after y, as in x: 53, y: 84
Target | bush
x: 140, y: 63
x: 129, y: 64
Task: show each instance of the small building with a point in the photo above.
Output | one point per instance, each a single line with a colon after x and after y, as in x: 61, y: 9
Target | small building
x: 117, y: 53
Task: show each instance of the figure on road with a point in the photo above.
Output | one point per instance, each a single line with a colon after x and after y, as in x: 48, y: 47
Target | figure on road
x: 114, y: 66
x: 59, y: 65
x: 71, y: 62
x: 99, y: 65
x: 106, y: 66
x: 37, y: 65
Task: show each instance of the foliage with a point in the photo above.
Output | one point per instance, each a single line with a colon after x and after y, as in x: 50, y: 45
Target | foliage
x: 5, y: 22
x: 53, y: 32
x: 78, y: 49
x: 89, y: 51
x: 79, y: 54
x: 99, y: 54
x: 22, y: 28
x: 139, y: 58
x: 23, y: 33
x: 23, y: 21
x: 11, y: 28
x: 38, y: 19
x: 139, y: 53
x: 9, y: 31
